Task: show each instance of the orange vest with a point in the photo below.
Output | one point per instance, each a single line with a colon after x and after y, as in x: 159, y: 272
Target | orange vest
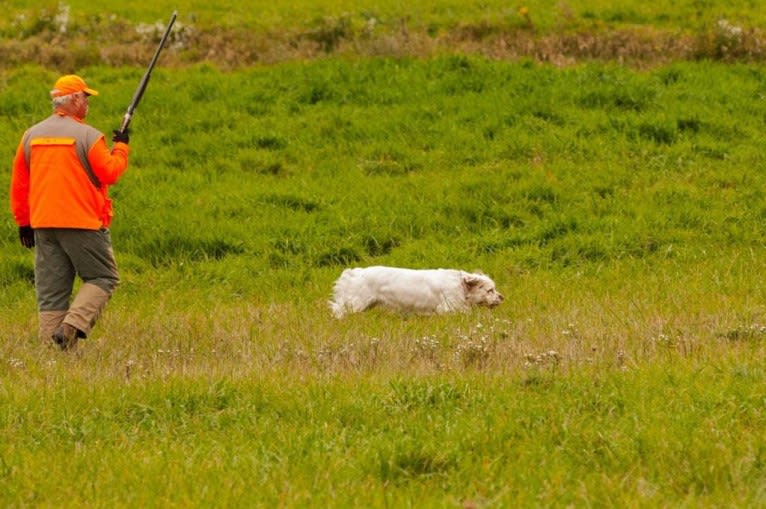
x: 60, y: 175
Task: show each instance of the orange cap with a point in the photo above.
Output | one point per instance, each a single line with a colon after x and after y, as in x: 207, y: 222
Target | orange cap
x: 71, y: 84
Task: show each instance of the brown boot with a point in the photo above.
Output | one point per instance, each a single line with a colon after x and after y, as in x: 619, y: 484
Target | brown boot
x: 66, y: 336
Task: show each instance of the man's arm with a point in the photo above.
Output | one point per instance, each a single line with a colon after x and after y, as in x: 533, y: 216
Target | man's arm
x: 108, y: 165
x: 19, y: 192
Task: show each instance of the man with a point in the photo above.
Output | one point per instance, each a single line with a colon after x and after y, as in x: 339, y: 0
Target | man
x: 59, y: 200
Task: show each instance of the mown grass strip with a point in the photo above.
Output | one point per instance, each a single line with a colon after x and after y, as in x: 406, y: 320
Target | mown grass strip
x: 606, y: 439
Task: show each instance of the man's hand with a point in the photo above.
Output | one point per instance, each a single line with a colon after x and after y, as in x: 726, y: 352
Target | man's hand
x: 27, y: 236
x: 122, y: 137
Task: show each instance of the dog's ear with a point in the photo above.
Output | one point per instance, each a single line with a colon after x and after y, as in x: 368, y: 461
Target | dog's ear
x: 470, y: 280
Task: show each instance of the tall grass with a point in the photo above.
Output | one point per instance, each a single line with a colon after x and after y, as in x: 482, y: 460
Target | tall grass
x: 619, y: 211
x: 72, y: 35
x: 544, y: 14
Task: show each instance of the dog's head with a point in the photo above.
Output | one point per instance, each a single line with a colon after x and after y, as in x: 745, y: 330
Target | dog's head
x: 480, y: 290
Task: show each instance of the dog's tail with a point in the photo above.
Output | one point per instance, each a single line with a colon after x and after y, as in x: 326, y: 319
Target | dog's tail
x: 340, y: 292
x: 338, y: 310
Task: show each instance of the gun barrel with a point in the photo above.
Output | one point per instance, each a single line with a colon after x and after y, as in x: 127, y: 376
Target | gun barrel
x: 139, y: 93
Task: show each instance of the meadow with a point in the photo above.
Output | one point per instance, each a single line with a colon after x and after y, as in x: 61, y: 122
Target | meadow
x: 618, y: 208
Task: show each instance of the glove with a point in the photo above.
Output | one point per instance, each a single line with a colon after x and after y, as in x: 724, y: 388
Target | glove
x: 27, y: 236
x: 122, y: 137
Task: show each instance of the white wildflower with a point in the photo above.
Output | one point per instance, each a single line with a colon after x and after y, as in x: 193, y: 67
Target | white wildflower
x: 61, y: 19
x: 727, y: 30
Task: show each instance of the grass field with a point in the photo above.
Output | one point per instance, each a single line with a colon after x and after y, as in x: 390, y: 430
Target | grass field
x: 618, y: 208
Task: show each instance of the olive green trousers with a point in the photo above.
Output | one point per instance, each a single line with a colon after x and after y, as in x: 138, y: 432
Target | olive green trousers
x: 61, y: 254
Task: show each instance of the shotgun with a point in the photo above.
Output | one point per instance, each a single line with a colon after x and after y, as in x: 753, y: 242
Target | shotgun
x: 145, y: 80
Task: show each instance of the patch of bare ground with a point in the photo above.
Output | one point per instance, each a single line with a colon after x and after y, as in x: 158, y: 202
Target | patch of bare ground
x: 231, y: 48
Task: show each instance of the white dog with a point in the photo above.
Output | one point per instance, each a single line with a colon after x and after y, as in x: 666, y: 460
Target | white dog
x: 420, y: 291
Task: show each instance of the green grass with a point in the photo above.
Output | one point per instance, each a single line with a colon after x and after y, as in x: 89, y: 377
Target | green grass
x: 620, y: 212
x: 678, y: 432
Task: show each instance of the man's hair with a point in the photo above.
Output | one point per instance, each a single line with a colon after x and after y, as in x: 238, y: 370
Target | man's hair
x: 64, y: 100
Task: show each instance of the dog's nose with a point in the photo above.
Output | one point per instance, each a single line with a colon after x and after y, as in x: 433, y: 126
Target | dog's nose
x: 500, y: 295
